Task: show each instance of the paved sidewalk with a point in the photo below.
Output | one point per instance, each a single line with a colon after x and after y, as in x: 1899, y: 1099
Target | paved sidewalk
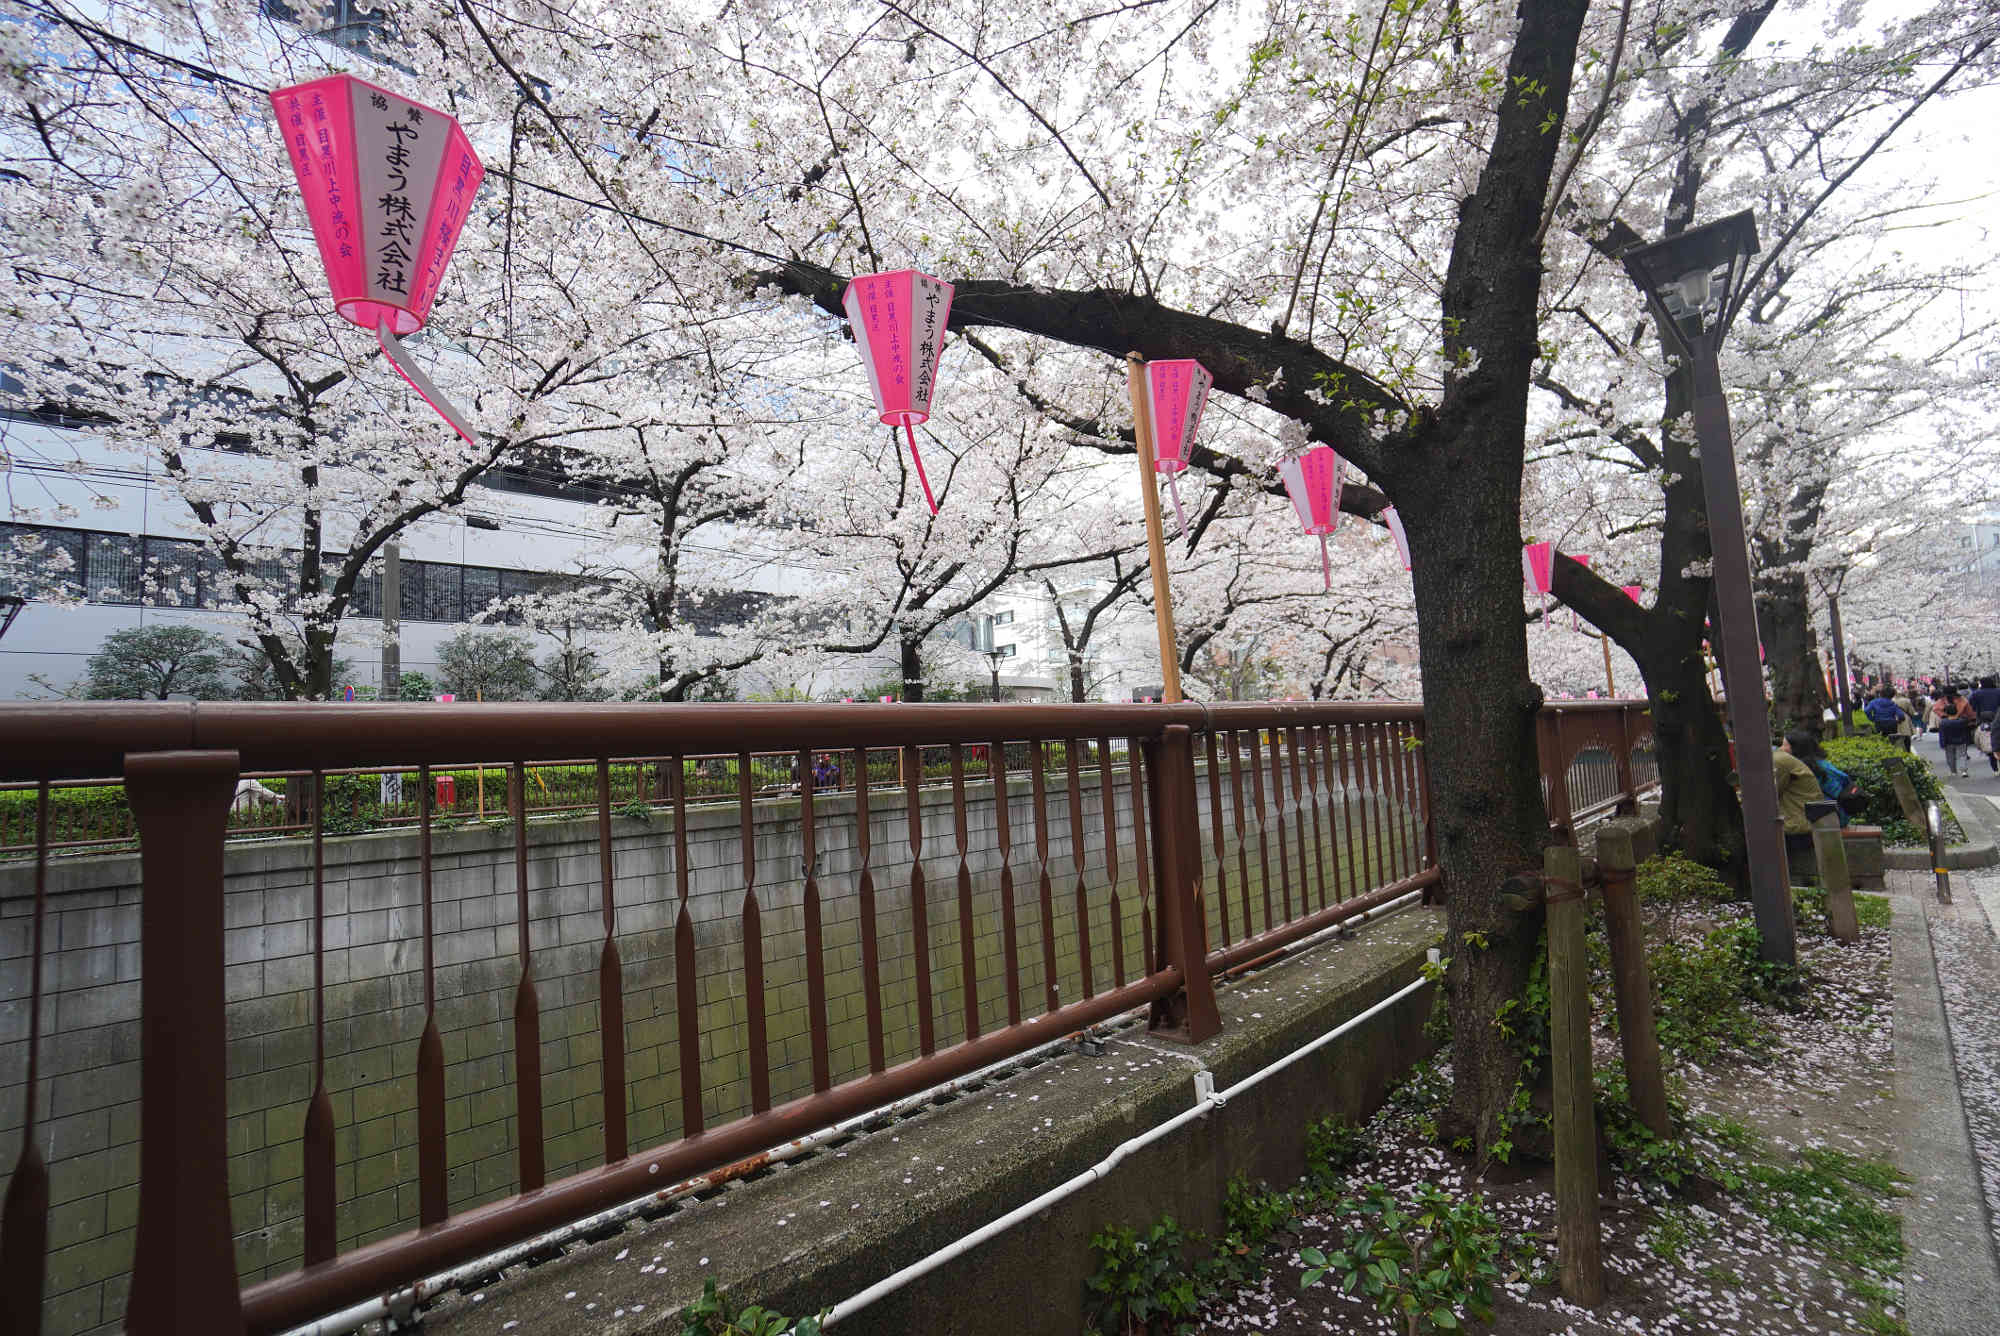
x: 1946, y: 971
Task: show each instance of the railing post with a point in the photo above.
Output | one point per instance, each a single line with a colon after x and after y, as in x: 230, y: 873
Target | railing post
x: 184, y: 1258
x: 1579, y: 1231
x: 1190, y: 1014
x: 1628, y: 805
x: 1555, y: 768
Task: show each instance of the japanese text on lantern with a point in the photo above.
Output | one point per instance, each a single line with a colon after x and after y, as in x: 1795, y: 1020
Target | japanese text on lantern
x: 929, y: 293
x: 393, y: 208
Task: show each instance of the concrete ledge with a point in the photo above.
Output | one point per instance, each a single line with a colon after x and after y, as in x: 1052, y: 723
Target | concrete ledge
x: 807, y: 1235
x: 1957, y: 858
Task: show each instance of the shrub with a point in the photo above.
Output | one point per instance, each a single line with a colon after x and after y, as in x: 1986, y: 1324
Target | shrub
x: 1672, y: 879
x: 1430, y: 1265
x: 1873, y: 763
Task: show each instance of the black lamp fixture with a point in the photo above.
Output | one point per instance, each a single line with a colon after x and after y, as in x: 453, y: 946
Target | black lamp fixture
x: 1692, y: 279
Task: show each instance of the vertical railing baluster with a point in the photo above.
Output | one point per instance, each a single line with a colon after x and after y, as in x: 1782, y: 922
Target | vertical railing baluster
x: 816, y: 1023
x: 1076, y: 851
x: 183, y: 1257
x: 317, y: 1136
x: 1278, y: 801
x: 1215, y: 814
x: 1314, y: 798
x: 610, y: 983
x: 1107, y: 789
x: 1037, y: 761
x: 1299, y: 804
x: 687, y: 1006
x: 968, y: 946
x: 1234, y: 742
x: 1003, y: 838
x: 1413, y: 826
x: 758, y: 1039
x: 1392, y: 754
x: 527, y: 1005
x: 920, y: 910
x: 1379, y: 773
x: 1424, y: 798
x: 871, y: 966
x: 433, y: 1198
x: 1330, y: 773
x: 24, y: 1218
x: 1263, y: 838
x: 1139, y: 854
x: 1406, y: 835
x: 1353, y: 859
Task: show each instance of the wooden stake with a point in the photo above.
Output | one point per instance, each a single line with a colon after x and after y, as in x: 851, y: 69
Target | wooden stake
x: 1149, y: 493
x: 1632, y: 980
x: 1830, y: 848
x: 1579, y: 1233
x: 1610, y: 682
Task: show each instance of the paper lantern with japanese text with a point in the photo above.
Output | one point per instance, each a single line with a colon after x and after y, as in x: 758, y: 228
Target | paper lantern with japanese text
x: 1313, y: 480
x: 388, y: 186
x: 899, y: 319
x: 1176, y: 392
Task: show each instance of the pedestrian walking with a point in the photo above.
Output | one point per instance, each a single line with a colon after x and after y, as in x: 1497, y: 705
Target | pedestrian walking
x: 1884, y: 713
x: 1956, y: 719
x: 1985, y: 700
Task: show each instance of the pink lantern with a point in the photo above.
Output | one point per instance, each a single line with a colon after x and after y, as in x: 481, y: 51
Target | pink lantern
x: 1176, y: 392
x: 1395, y: 523
x: 1631, y: 592
x: 388, y: 184
x: 1313, y: 480
x: 889, y: 699
x: 899, y: 320
x: 1538, y: 568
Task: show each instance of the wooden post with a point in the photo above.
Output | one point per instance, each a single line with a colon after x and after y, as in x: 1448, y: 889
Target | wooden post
x: 1610, y: 682
x: 1579, y: 1233
x: 1830, y: 848
x: 1632, y: 980
x: 1156, y: 545
x: 1906, y: 796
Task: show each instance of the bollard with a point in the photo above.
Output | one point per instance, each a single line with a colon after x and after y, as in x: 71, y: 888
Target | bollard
x: 1830, y: 849
x: 1579, y: 1234
x: 1632, y: 980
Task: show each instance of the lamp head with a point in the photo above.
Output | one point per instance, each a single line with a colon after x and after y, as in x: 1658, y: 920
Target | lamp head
x: 1691, y: 279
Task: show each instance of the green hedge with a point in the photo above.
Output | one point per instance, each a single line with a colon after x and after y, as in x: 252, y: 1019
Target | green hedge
x: 1873, y: 761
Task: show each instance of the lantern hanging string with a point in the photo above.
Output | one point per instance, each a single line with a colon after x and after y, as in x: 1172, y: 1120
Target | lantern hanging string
x: 413, y: 375
x: 918, y: 460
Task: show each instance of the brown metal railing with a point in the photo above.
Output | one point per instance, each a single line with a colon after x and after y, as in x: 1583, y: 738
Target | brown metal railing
x: 1597, y: 760
x: 732, y: 948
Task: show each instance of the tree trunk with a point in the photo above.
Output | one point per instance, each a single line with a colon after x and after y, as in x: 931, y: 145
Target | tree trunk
x: 1798, y: 688
x: 1699, y: 814
x: 1465, y: 534
x: 912, y: 660
x: 1078, y: 689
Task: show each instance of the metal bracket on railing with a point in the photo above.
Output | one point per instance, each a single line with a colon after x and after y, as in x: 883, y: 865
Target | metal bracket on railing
x: 1204, y: 1087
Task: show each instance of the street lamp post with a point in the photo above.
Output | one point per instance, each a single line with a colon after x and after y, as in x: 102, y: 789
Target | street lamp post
x: 1692, y: 283
x: 993, y: 657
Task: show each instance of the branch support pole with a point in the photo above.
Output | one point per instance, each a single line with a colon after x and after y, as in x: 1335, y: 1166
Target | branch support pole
x: 1156, y: 544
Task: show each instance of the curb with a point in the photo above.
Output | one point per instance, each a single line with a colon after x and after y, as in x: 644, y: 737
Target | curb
x: 1959, y: 858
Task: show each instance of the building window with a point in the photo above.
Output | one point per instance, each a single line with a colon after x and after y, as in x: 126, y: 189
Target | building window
x: 482, y: 586
x: 1003, y: 618
x: 1007, y: 651
x: 113, y: 569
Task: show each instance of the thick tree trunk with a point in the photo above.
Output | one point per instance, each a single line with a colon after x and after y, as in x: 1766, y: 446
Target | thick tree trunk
x: 1798, y: 687
x: 1699, y: 813
x: 1465, y: 534
x: 911, y: 658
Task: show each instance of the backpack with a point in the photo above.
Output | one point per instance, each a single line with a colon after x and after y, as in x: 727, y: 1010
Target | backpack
x: 1840, y: 786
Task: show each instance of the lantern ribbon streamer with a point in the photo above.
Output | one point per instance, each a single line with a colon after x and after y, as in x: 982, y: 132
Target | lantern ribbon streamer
x: 1325, y: 564
x: 414, y: 377
x: 918, y: 460
x: 1173, y: 490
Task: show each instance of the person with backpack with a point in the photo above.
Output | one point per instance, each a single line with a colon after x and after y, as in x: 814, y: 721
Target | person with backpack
x: 1884, y: 713
x: 1833, y: 783
x: 1955, y: 721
